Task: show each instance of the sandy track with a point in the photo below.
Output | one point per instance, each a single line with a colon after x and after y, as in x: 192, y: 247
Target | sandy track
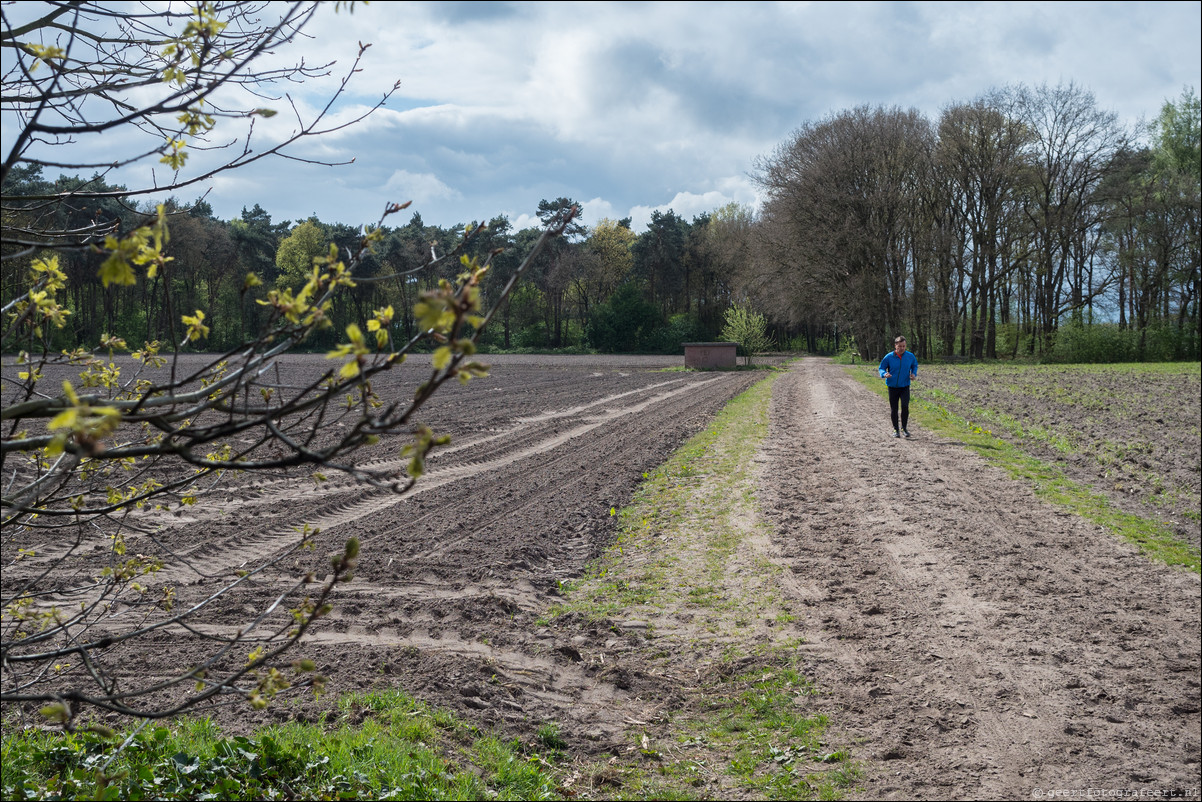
x: 977, y: 642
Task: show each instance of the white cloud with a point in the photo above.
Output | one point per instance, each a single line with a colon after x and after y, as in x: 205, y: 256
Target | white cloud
x: 419, y: 187
x: 595, y: 210
x: 687, y: 205
x: 524, y: 221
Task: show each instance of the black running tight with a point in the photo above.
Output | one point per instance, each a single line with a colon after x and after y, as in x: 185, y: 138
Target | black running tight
x: 902, y: 395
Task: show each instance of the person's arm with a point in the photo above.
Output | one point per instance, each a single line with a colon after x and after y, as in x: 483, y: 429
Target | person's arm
x: 913, y: 366
x: 884, y: 368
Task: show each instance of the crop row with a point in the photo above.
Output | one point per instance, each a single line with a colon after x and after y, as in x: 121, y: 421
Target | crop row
x: 1130, y: 431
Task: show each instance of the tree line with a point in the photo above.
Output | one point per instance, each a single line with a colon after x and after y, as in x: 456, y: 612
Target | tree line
x: 1021, y: 218
x: 603, y: 287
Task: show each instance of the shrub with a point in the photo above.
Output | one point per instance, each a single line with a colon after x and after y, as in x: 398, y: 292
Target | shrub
x: 748, y: 329
x: 1106, y: 342
x: 626, y: 322
x: 680, y: 329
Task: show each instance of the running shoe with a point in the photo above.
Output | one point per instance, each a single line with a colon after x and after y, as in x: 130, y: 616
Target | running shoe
x: 905, y: 433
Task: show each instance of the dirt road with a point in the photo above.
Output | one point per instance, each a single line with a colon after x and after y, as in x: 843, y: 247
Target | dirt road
x: 976, y: 642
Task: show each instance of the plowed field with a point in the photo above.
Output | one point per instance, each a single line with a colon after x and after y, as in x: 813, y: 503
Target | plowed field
x: 968, y: 640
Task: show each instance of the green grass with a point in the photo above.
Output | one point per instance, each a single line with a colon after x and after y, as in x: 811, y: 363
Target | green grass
x: 688, y: 497
x: 772, y: 746
x: 398, y: 749
x: 1154, y: 538
x: 1016, y: 428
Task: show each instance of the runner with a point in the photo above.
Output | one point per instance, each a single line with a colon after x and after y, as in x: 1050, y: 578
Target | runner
x: 898, y: 369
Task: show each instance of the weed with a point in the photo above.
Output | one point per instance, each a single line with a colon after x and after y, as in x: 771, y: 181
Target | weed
x: 399, y: 749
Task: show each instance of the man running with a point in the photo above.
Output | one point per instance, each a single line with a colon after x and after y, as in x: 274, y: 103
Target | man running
x: 898, y: 369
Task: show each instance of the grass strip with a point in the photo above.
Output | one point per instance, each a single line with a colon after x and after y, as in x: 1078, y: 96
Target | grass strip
x: 1154, y: 538
x: 689, y: 565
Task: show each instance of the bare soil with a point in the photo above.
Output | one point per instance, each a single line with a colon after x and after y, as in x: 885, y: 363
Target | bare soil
x: 977, y: 642
x: 1132, y: 435
x: 969, y: 641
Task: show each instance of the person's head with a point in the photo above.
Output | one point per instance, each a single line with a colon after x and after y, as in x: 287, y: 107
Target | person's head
x: 899, y: 345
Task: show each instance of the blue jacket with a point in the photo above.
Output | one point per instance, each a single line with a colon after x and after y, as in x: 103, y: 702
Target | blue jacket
x: 900, y: 368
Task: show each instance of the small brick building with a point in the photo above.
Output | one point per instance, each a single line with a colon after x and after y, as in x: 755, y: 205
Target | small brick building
x: 710, y: 355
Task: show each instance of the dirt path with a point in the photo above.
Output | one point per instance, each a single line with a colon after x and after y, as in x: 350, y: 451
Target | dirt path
x: 974, y: 641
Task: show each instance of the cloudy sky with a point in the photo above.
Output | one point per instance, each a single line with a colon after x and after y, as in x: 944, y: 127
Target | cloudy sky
x: 631, y: 107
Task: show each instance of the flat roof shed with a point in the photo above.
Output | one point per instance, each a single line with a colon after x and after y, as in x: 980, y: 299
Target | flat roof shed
x: 710, y: 355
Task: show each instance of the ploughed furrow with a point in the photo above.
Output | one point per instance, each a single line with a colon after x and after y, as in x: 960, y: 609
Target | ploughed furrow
x: 558, y: 535
x: 560, y: 462
x: 507, y: 444
x: 506, y: 555
x: 511, y: 530
x: 510, y: 440
x: 454, y: 575
x: 245, y: 548
x: 453, y: 578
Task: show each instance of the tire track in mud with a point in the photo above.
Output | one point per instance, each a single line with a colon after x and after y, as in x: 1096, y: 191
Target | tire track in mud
x: 588, y: 425
x: 981, y: 643
x: 525, y: 441
x: 269, y: 499
x: 424, y: 558
x: 482, y: 448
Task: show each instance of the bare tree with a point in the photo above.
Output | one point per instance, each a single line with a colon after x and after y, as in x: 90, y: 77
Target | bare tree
x: 1022, y: 209
x: 1072, y: 149
x: 982, y: 152
x: 844, y: 192
x: 91, y: 444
